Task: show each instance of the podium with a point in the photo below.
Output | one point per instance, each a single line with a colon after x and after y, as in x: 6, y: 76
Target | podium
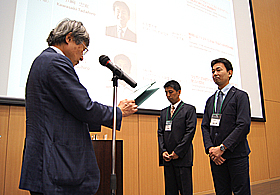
x: 103, y: 153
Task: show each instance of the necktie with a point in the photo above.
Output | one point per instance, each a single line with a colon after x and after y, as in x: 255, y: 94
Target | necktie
x: 172, y: 110
x: 219, y: 102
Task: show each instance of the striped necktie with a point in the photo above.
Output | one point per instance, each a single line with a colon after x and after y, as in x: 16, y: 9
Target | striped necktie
x: 172, y: 110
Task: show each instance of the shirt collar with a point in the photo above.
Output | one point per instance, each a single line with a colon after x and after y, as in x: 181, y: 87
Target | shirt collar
x: 123, y: 29
x: 176, y: 105
x: 225, y: 90
x: 57, y: 50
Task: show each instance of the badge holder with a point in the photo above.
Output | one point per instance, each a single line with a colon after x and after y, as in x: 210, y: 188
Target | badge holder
x: 215, y: 120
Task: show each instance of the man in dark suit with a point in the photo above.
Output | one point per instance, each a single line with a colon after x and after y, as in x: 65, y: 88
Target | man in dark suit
x: 177, y: 127
x: 58, y: 156
x: 122, y: 14
x: 225, y: 126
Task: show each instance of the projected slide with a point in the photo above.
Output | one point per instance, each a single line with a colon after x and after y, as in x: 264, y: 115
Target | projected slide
x: 159, y: 40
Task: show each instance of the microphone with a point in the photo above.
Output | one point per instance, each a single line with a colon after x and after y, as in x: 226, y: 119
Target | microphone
x: 105, y: 61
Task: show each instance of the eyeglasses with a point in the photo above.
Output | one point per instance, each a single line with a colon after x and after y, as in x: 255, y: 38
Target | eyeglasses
x: 85, y: 50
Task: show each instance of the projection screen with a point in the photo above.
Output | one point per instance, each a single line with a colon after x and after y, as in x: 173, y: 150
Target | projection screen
x: 169, y: 40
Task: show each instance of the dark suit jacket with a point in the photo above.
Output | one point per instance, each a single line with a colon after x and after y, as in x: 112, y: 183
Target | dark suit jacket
x: 234, y: 125
x: 179, y: 139
x: 129, y: 35
x: 59, y: 156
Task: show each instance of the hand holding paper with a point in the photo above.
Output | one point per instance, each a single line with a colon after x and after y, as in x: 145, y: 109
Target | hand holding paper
x: 127, y: 107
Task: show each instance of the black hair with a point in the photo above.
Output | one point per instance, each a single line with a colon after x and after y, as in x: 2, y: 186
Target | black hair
x: 226, y: 63
x: 174, y: 84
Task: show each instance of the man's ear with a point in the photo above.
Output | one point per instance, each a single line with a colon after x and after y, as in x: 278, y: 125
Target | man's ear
x: 230, y: 73
x: 179, y: 92
x: 68, y: 37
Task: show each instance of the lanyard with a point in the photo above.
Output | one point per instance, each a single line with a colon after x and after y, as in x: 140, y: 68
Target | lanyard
x: 174, y: 113
x: 215, y: 104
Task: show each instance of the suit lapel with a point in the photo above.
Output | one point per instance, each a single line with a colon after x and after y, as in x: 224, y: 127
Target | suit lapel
x: 180, y: 106
x: 212, y: 103
x: 176, y: 112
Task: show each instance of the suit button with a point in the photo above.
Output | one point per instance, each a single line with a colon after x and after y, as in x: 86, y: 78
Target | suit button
x: 216, y: 134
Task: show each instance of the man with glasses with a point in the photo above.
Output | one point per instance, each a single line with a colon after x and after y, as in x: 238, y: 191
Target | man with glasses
x: 58, y: 155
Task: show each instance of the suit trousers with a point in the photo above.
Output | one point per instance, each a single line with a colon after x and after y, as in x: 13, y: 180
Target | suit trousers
x: 232, y: 176
x: 178, y: 179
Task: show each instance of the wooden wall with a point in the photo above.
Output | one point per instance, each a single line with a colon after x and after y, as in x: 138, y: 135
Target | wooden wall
x: 267, y: 21
x: 12, y: 131
x: 142, y: 175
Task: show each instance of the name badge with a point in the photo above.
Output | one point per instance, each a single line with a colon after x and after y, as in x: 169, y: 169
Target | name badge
x: 215, y: 120
x: 168, y: 125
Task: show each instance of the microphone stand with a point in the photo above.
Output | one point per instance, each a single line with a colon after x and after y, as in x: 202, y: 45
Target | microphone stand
x: 113, y: 174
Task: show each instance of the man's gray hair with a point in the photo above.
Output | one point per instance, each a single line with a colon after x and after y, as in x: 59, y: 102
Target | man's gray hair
x: 58, y: 35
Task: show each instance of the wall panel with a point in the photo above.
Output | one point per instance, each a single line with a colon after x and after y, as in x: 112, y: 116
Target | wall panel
x: 267, y: 24
x: 15, y: 146
x: 130, y: 136
x: 202, y: 177
x: 273, y: 136
x: 4, y: 122
x: 150, y: 173
x: 258, y: 158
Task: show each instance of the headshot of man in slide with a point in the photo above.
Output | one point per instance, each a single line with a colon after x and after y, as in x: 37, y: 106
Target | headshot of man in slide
x: 122, y: 16
x: 123, y: 62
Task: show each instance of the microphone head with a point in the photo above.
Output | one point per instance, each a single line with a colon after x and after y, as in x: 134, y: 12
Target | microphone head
x: 103, y: 60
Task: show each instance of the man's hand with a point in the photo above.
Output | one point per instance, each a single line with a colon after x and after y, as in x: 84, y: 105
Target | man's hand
x: 215, y: 154
x: 127, y: 107
x: 174, y: 155
x: 166, y: 156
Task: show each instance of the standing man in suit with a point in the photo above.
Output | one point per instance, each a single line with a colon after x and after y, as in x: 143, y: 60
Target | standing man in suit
x: 177, y: 127
x: 58, y: 156
x: 122, y: 16
x: 225, y: 126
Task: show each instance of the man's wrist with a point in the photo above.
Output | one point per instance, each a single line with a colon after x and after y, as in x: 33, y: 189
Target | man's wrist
x: 222, y: 147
